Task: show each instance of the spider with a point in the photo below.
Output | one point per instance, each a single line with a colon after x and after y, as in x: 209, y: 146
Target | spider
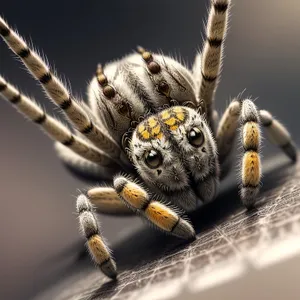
x: 150, y: 131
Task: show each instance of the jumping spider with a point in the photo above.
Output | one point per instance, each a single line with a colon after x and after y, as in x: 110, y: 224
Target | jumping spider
x: 150, y: 117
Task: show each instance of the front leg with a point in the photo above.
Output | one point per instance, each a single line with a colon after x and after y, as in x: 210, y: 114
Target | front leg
x: 159, y: 214
x: 90, y: 227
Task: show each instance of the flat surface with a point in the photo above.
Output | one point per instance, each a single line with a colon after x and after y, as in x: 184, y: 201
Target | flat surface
x: 232, y: 243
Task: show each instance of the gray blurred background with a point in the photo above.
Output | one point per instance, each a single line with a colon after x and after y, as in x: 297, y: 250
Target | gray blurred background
x: 37, y: 218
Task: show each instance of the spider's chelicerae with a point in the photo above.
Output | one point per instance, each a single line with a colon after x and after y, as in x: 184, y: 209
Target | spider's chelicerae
x: 150, y: 117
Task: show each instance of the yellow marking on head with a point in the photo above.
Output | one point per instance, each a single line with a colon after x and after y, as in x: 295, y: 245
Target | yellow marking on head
x: 171, y: 121
x: 165, y: 114
x: 159, y: 136
x: 141, y: 128
x: 156, y: 130
x: 177, y: 109
x: 98, y: 249
x: 180, y: 116
x: 161, y: 215
x: 146, y: 134
x: 152, y: 122
x: 134, y: 195
x: 173, y: 127
x: 251, y: 135
x: 251, y: 168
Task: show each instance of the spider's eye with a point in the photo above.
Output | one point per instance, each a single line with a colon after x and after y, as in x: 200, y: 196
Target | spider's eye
x: 164, y: 88
x: 153, y: 159
x: 195, y: 137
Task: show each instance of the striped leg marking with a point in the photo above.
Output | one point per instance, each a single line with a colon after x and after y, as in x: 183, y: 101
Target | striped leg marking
x: 58, y: 92
x: 89, y: 226
x: 251, y: 165
x: 55, y: 129
x: 107, y: 201
x: 81, y: 167
x: 278, y: 134
x: 208, y: 64
x: 157, y: 213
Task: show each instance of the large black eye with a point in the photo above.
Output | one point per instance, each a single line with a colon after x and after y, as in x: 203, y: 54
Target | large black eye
x: 195, y: 137
x: 153, y: 159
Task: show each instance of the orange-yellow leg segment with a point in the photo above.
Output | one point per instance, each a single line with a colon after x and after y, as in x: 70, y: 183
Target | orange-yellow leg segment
x: 165, y: 218
x: 107, y: 201
x: 251, y: 165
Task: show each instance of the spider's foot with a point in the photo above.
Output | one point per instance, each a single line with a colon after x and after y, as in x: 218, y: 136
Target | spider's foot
x: 184, y: 229
x: 248, y: 195
x: 109, y: 268
x: 290, y: 150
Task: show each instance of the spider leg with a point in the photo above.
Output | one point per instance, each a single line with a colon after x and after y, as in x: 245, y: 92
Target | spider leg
x: 55, y: 129
x: 81, y: 167
x: 207, y: 65
x: 246, y: 112
x: 57, y: 92
x: 251, y: 165
x: 159, y: 214
x: 278, y: 134
x: 90, y: 227
x: 107, y: 201
x: 226, y: 134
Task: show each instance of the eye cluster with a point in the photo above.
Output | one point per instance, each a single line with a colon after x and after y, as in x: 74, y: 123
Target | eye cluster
x: 154, y: 159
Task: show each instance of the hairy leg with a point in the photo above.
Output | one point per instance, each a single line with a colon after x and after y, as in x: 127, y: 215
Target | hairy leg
x: 250, y: 119
x: 278, y: 134
x: 97, y: 247
x: 207, y: 66
x: 107, y: 201
x: 246, y: 113
x: 159, y: 214
x: 54, y: 128
x: 58, y: 92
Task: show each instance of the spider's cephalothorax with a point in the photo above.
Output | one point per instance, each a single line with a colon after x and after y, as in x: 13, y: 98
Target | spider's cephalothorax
x: 150, y: 117
x: 174, y: 153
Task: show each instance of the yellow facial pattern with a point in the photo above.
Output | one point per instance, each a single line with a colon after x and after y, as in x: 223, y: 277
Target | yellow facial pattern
x: 173, y: 117
x: 151, y: 129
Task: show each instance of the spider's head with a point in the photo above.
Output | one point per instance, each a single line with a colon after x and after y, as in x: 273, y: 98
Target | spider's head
x: 173, y: 150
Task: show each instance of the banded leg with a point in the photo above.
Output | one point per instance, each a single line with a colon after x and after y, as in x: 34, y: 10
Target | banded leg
x: 57, y: 92
x: 278, y: 134
x: 55, y: 129
x: 251, y: 165
x: 81, y: 167
x: 245, y: 112
x: 90, y: 227
x: 107, y: 201
x: 165, y: 218
x: 207, y: 64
